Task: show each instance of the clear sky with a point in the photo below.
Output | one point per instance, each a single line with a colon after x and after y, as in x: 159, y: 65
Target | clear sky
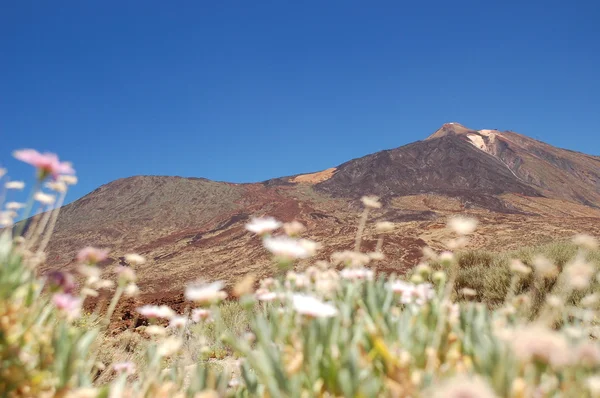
x: 248, y: 90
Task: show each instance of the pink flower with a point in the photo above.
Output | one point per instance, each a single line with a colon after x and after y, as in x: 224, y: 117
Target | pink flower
x: 46, y: 163
x: 68, y: 304
x: 92, y: 255
x: 124, y: 367
x: 200, y: 314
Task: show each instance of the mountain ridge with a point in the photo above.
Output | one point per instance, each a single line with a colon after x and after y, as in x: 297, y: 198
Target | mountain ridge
x: 190, y: 227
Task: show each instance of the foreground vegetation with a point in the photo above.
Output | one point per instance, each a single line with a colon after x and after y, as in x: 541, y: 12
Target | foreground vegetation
x: 470, y: 324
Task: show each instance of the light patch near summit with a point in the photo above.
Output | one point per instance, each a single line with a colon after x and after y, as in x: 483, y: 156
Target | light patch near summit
x: 314, y: 178
x: 478, y: 141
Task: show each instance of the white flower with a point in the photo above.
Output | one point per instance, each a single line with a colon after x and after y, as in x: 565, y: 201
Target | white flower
x: 155, y: 330
x: 468, y: 292
x: 266, y: 296
x: 462, y: 225
x: 376, y: 256
x: 579, y: 273
x: 178, y: 322
x: 586, y: 241
x: 131, y: 290
x: 14, y: 185
x: 384, y: 226
x: 288, y: 248
x: 56, y: 186
x: 357, y: 273
x: 44, y: 198
x: 544, y: 267
x: 200, y: 314
x: 68, y: 179
x: 350, y: 258
x: 205, y: 293
x: 518, y: 267
x: 371, y: 201
x: 593, y: 385
x: 14, y: 206
x: 134, y: 259
x: 261, y: 226
x: 169, y: 346
x: 155, y: 311
x: 312, y: 307
x: 2, y: 172
x: 537, y: 343
x: 293, y: 228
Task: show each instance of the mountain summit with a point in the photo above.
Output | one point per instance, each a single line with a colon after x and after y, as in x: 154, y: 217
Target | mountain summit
x: 522, y: 190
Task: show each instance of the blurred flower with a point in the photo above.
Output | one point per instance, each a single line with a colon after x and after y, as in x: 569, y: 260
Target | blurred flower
x: 518, y: 267
x: 446, y: 258
x: 462, y: 225
x: 262, y: 226
x: 244, y: 286
x: 14, y: 205
x: 178, y: 322
x: 57, y: 186
x: 579, y: 273
x: 537, y: 343
x: 208, y: 293
x: 46, y: 163
x: 590, y: 300
x: 44, y: 198
x: 371, y: 201
x: 587, y: 354
x: 125, y: 274
x: 155, y: 311
x: 265, y: 295
x: 586, y: 241
x: 310, y: 246
x: 2, y: 172
x: 287, y: 248
x: 593, y: 385
x: 155, y: 330
x: 14, y: 185
x: 131, y: 290
x: 384, y: 226
x: 134, y: 259
x: 463, y: 387
x: 357, y: 273
x: 350, y: 258
x: 411, y: 293
x: 544, y: 267
x: 86, y: 291
x: 68, y: 179
x: 60, y: 280
x: 200, y: 314
x: 124, y: 367
x: 169, y: 346
x: 92, y: 255
x: 68, y: 304
x: 7, y: 218
x: 312, y: 306
x: 468, y: 292
x: 376, y: 256
x: 293, y: 228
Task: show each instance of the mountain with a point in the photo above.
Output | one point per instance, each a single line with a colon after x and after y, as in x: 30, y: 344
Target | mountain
x: 523, y: 191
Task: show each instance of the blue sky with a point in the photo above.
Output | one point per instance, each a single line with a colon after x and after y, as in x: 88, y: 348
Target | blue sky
x: 248, y: 90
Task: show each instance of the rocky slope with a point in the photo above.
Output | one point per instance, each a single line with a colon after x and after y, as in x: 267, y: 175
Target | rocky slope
x: 524, y: 192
